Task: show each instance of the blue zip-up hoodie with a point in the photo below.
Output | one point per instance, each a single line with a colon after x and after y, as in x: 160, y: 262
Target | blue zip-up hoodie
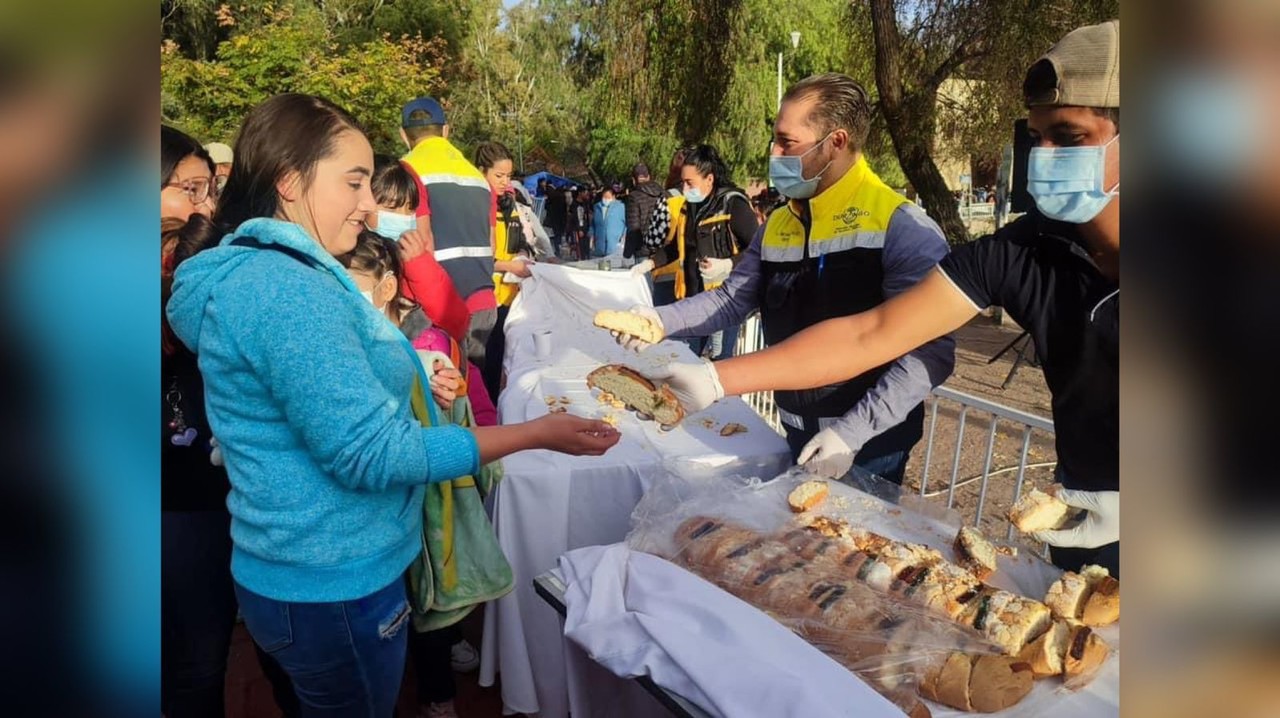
x: 307, y: 389
x: 608, y: 227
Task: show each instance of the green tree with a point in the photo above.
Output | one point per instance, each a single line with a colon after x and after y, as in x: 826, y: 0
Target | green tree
x: 296, y: 52
x: 989, y: 43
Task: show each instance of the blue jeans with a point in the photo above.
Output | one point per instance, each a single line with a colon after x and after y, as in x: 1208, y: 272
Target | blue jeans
x: 346, y: 658
x: 721, y: 344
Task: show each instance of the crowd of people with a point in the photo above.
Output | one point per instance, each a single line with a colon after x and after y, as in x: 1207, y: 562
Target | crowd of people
x: 332, y: 335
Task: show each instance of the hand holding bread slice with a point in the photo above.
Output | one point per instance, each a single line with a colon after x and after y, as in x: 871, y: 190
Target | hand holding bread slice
x: 636, y: 329
x: 638, y: 393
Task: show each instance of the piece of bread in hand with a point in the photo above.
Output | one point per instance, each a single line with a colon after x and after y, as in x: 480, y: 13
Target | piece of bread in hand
x: 1102, y: 608
x: 997, y: 682
x: 1086, y: 652
x: 1038, y: 511
x: 975, y: 552
x: 807, y: 495
x: 1045, y: 654
x: 636, y: 325
x: 638, y: 393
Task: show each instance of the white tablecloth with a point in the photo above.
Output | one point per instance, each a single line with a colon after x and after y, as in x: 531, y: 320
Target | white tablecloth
x: 549, y: 503
x: 637, y: 615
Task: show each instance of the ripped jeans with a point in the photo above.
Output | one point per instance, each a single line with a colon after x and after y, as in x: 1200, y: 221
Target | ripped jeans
x: 344, y: 658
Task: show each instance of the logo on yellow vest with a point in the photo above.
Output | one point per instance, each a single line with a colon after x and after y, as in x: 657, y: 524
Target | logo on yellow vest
x: 848, y: 219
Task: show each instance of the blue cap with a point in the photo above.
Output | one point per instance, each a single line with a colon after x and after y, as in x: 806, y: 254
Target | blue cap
x: 435, y: 113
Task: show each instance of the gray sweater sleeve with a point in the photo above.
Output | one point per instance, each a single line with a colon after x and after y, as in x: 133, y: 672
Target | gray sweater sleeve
x: 913, y: 245
x: 722, y: 307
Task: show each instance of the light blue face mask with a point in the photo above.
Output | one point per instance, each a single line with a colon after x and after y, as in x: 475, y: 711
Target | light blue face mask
x: 786, y: 172
x: 392, y: 225
x: 1067, y: 182
x: 693, y: 195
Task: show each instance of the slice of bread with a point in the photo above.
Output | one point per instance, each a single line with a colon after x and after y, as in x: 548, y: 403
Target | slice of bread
x: 997, y: 682
x: 1045, y: 654
x: 1066, y: 597
x: 1038, y: 511
x: 975, y: 552
x: 949, y: 685
x: 807, y: 495
x: 636, y: 325
x: 1102, y: 608
x: 638, y: 393
x: 1086, y: 653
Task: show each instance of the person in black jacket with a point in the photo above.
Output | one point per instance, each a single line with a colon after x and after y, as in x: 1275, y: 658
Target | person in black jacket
x: 717, y: 225
x: 644, y: 198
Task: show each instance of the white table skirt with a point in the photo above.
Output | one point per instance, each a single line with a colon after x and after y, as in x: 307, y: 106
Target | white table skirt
x: 549, y: 503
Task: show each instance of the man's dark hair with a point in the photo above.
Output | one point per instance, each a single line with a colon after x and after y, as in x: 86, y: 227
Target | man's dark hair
x: 841, y: 103
x: 421, y: 132
x: 1042, y: 79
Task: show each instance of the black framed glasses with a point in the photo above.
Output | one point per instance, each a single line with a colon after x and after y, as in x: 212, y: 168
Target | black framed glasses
x: 197, y: 190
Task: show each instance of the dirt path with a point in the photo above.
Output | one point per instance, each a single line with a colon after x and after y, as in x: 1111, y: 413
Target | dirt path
x: 975, y: 344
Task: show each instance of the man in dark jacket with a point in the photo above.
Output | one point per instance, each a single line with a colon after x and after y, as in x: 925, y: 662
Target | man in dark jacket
x: 644, y: 197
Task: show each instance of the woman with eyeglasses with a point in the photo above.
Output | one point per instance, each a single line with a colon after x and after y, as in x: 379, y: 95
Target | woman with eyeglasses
x: 186, y: 176
x: 198, y: 603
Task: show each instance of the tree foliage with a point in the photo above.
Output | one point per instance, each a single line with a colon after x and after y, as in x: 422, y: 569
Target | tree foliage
x: 294, y: 49
x: 589, y: 87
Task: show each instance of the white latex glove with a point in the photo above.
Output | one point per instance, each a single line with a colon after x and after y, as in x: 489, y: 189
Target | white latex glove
x: 697, y: 386
x: 826, y: 455
x: 1100, y: 527
x: 642, y: 268
x: 714, y: 270
x: 637, y: 344
x: 215, y: 451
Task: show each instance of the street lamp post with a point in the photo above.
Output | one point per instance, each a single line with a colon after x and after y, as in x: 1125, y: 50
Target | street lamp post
x: 795, y: 43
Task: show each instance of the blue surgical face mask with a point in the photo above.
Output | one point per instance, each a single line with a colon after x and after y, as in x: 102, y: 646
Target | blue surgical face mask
x: 392, y: 225
x: 786, y: 172
x: 1067, y: 182
x: 693, y: 195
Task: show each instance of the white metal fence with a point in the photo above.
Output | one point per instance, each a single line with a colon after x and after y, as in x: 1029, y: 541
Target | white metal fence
x: 1022, y: 423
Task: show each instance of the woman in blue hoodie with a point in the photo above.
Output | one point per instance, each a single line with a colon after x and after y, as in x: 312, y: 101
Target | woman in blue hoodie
x: 307, y: 389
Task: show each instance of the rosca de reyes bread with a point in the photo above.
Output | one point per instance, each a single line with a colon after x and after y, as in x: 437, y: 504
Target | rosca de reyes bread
x: 638, y: 393
x: 838, y: 580
x: 628, y: 323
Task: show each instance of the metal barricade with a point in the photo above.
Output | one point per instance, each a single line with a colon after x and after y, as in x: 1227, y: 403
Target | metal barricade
x: 1023, y: 423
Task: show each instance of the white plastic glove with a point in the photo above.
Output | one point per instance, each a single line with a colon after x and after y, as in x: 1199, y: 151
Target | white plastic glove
x: 697, y: 386
x: 215, y: 451
x: 1100, y: 527
x: 642, y: 268
x: 715, y: 270
x: 637, y: 344
x: 826, y: 455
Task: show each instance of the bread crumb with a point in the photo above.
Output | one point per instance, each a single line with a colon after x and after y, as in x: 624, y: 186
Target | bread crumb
x: 610, y: 419
x: 549, y: 399
x: 733, y: 428
x: 559, y: 409
x: 708, y: 423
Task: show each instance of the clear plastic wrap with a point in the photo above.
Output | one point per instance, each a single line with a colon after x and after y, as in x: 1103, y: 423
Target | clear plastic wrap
x: 868, y: 580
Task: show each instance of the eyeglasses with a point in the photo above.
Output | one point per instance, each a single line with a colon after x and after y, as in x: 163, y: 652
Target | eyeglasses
x: 197, y: 190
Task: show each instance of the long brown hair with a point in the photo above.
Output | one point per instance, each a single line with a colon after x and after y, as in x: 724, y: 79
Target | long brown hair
x: 290, y: 132
x: 179, y: 241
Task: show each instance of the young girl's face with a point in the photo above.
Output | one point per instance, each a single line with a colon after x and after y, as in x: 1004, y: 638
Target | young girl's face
x: 379, y: 290
x: 499, y: 176
x: 392, y: 222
